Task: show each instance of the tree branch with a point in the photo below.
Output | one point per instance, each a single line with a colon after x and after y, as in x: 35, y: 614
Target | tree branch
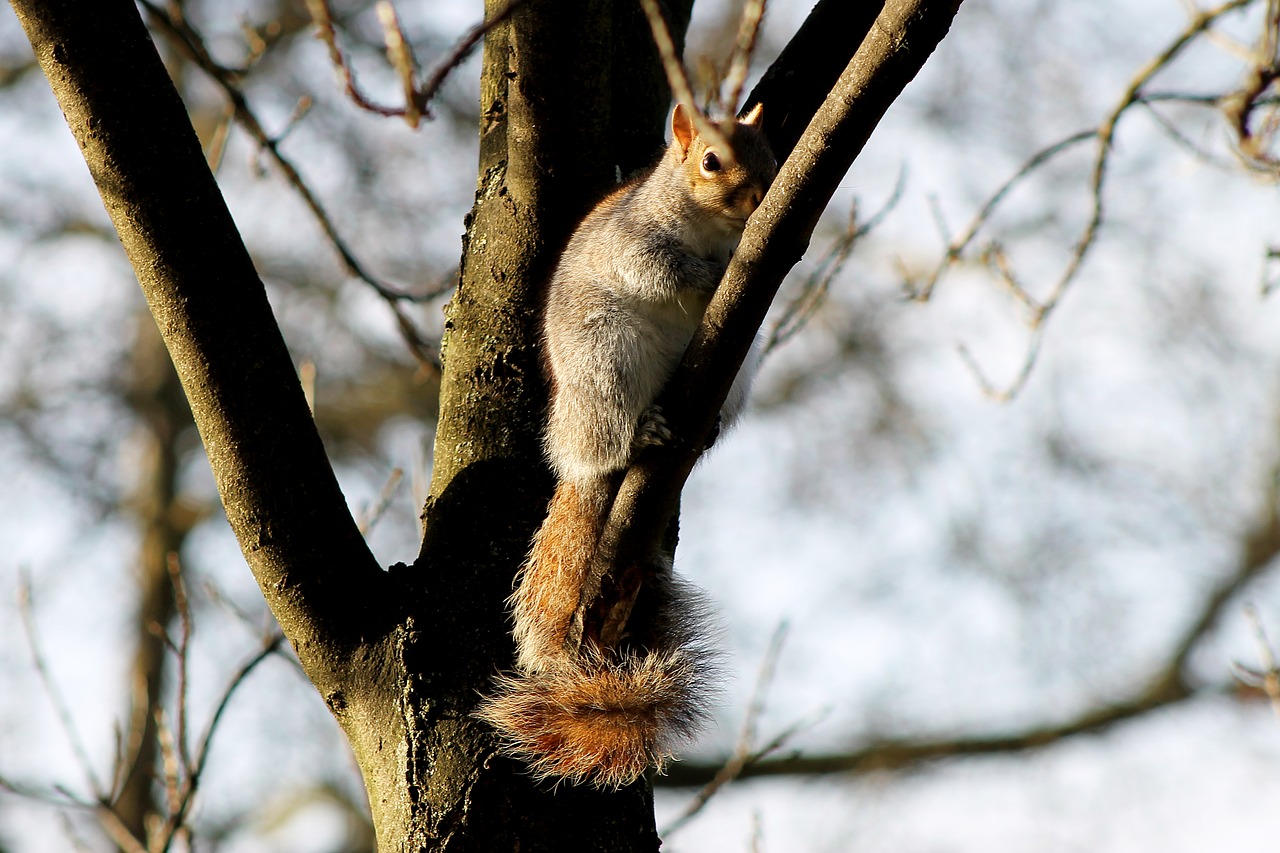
x: 1168, y: 685
x: 777, y: 235
x: 280, y: 494
x: 192, y: 44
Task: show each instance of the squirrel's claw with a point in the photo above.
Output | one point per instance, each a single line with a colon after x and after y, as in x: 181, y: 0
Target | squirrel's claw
x: 652, y: 430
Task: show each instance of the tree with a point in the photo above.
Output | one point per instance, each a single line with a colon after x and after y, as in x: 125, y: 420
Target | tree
x: 401, y: 655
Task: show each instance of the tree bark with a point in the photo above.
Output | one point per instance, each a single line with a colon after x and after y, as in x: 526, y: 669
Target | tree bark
x: 276, y: 485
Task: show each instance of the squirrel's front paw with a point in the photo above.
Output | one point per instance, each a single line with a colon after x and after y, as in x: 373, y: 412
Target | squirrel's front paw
x: 652, y: 429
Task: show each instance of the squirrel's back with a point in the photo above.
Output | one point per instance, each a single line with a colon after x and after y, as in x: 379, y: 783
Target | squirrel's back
x: 633, y: 283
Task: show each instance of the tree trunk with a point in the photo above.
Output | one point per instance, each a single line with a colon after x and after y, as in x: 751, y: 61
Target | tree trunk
x: 572, y: 95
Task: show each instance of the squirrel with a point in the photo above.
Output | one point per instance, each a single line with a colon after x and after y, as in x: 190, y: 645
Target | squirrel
x: 627, y: 294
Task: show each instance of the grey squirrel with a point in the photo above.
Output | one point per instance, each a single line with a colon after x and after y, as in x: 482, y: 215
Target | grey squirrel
x: 627, y: 294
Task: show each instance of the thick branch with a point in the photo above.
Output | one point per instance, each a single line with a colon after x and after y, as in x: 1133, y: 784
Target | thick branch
x: 908, y: 754
x: 894, y: 50
x: 280, y: 494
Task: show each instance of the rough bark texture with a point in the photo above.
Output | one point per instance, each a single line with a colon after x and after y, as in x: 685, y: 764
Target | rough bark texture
x: 401, y: 657
x: 276, y: 484
x: 556, y: 130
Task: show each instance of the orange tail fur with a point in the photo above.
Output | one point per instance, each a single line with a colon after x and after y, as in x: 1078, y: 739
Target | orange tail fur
x: 552, y: 578
x: 599, y: 721
x: 602, y: 716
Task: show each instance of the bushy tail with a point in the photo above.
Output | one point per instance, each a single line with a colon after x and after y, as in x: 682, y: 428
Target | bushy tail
x: 594, y: 720
x: 578, y: 712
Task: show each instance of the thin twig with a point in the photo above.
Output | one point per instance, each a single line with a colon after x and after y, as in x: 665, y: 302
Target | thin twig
x: 1263, y: 71
x: 678, y: 79
x: 426, y: 93
x: 1270, y: 675
x: 745, y: 751
x: 379, y: 509
x: 191, y: 784
x: 813, y: 291
x: 172, y: 764
x: 1103, y: 135
x: 1003, y: 394
x: 744, y: 47
x: 1181, y: 139
x: 192, y: 44
x: 1106, y: 134
x: 417, y: 98
x: 400, y: 55
x: 61, y: 709
x: 958, y: 246
x: 183, y: 608
x: 327, y: 33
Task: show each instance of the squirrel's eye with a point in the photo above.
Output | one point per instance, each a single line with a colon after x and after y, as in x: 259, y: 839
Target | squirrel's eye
x: 711, y: 163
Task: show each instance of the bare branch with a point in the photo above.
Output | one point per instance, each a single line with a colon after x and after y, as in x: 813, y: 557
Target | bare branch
x: 400, y: 55
x: 744, y: 47
x: 172, y: 764
x: 191, y: 782
x: 1167, y: 685
x: 299, y: 539
x: 327, y: 33
x: 1179, y: 138
x: 60, y: 707
x: 183, y: 608
x: 375, y: 512
x: 958, y: 246
x: 1199, y: 23
x: 461, y: 50
x: 744, y: 751
x: 1262, y: 73
x: 679, y: 79
x: 814, y: 289
x: 1042, y: 307
x: 1269, y: 677
x: 192, y: 44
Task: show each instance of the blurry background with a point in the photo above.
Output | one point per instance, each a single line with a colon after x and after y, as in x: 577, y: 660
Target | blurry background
x: 982, y: 524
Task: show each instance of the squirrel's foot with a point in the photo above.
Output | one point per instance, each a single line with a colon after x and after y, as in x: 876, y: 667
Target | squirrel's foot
x: 652, y: 429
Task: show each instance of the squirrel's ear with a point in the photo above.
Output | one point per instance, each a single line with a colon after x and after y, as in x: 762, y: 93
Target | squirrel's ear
x: 682, y: 128
x: 754, y: 117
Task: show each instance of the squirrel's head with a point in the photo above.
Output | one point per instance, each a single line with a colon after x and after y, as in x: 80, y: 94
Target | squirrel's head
x: 726, y: 184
